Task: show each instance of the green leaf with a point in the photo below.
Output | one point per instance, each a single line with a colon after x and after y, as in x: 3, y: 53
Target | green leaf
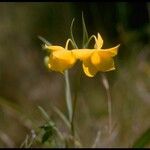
x: 71, y: 33
x: 49, y: 132
x: 62, y: 116
x: 85, y: 33
x: 44, y: 40
x: 46, y: 136
x: 46, y: 116
x: 143, y: 140
x: 47, y: 126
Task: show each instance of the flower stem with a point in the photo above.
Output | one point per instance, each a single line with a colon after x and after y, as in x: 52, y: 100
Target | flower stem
x: 68, y: 95
x: 73, y: 114
x: 109, y: 111
x: 106, y: 85
x: 70, y: 107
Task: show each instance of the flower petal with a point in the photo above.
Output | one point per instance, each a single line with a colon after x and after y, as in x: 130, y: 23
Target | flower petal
x: 82, y: 54
x: 111, y: 52
x: 61, y: 60
x: 54, y: 48
x: 106, y: 64
x: 89, y: 69
x: 98, y: 42
x: 95, y: 58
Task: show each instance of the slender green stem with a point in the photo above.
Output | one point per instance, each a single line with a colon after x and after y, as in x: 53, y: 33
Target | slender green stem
x: 72, y: 126
x: 68, y: 95
x: 109, y: 110
x: 73, y: 107
x: 73, y: 114
x: 106, y: 85
x: 69, y: 106
x: 75, y: 99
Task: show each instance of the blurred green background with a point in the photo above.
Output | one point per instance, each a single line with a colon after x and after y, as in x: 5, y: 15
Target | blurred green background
x: 25, y: 82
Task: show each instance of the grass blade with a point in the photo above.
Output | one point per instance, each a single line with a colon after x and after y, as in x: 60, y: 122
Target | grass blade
x: 72, y: 37
x: 46, y: 116
x: 143, y: 140
x: 85, y: 33
x: 44, y: 40
x: 62, y: 116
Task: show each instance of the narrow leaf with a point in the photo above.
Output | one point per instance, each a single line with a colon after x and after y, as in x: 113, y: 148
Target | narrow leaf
x: 46, y: 116
x: 62, y: 116
x: 85, y: 33
x: 44, y: 40
x: 72, y: 37
x: 143, y: 140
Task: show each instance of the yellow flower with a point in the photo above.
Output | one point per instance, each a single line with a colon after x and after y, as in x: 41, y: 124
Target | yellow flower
x: 96, y: 59
x: 60, y: 58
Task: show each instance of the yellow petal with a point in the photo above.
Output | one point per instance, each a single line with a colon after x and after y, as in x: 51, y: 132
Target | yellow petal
x: 89, y: 69
x: 61, y: 60
x: 95, y: 58
x: 82, y: 54
x: 98, y: 42
x: 106, y: 64
x: 64, y: 55
x: 111, y: 52
x: 54, y: 48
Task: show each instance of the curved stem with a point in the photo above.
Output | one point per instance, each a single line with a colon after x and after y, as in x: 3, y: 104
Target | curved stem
x: 87, y: 43
x: 67, y: 43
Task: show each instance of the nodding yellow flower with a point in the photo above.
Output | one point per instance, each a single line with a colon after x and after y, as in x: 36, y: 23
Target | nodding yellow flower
x: 96, y: 59
x: 60, y: 58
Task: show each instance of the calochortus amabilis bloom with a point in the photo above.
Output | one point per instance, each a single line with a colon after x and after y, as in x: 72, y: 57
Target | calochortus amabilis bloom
x: 96, y: 59
x: 60, y: 59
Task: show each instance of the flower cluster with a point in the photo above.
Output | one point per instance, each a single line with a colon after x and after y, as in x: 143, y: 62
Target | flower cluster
x: 93, y: 60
